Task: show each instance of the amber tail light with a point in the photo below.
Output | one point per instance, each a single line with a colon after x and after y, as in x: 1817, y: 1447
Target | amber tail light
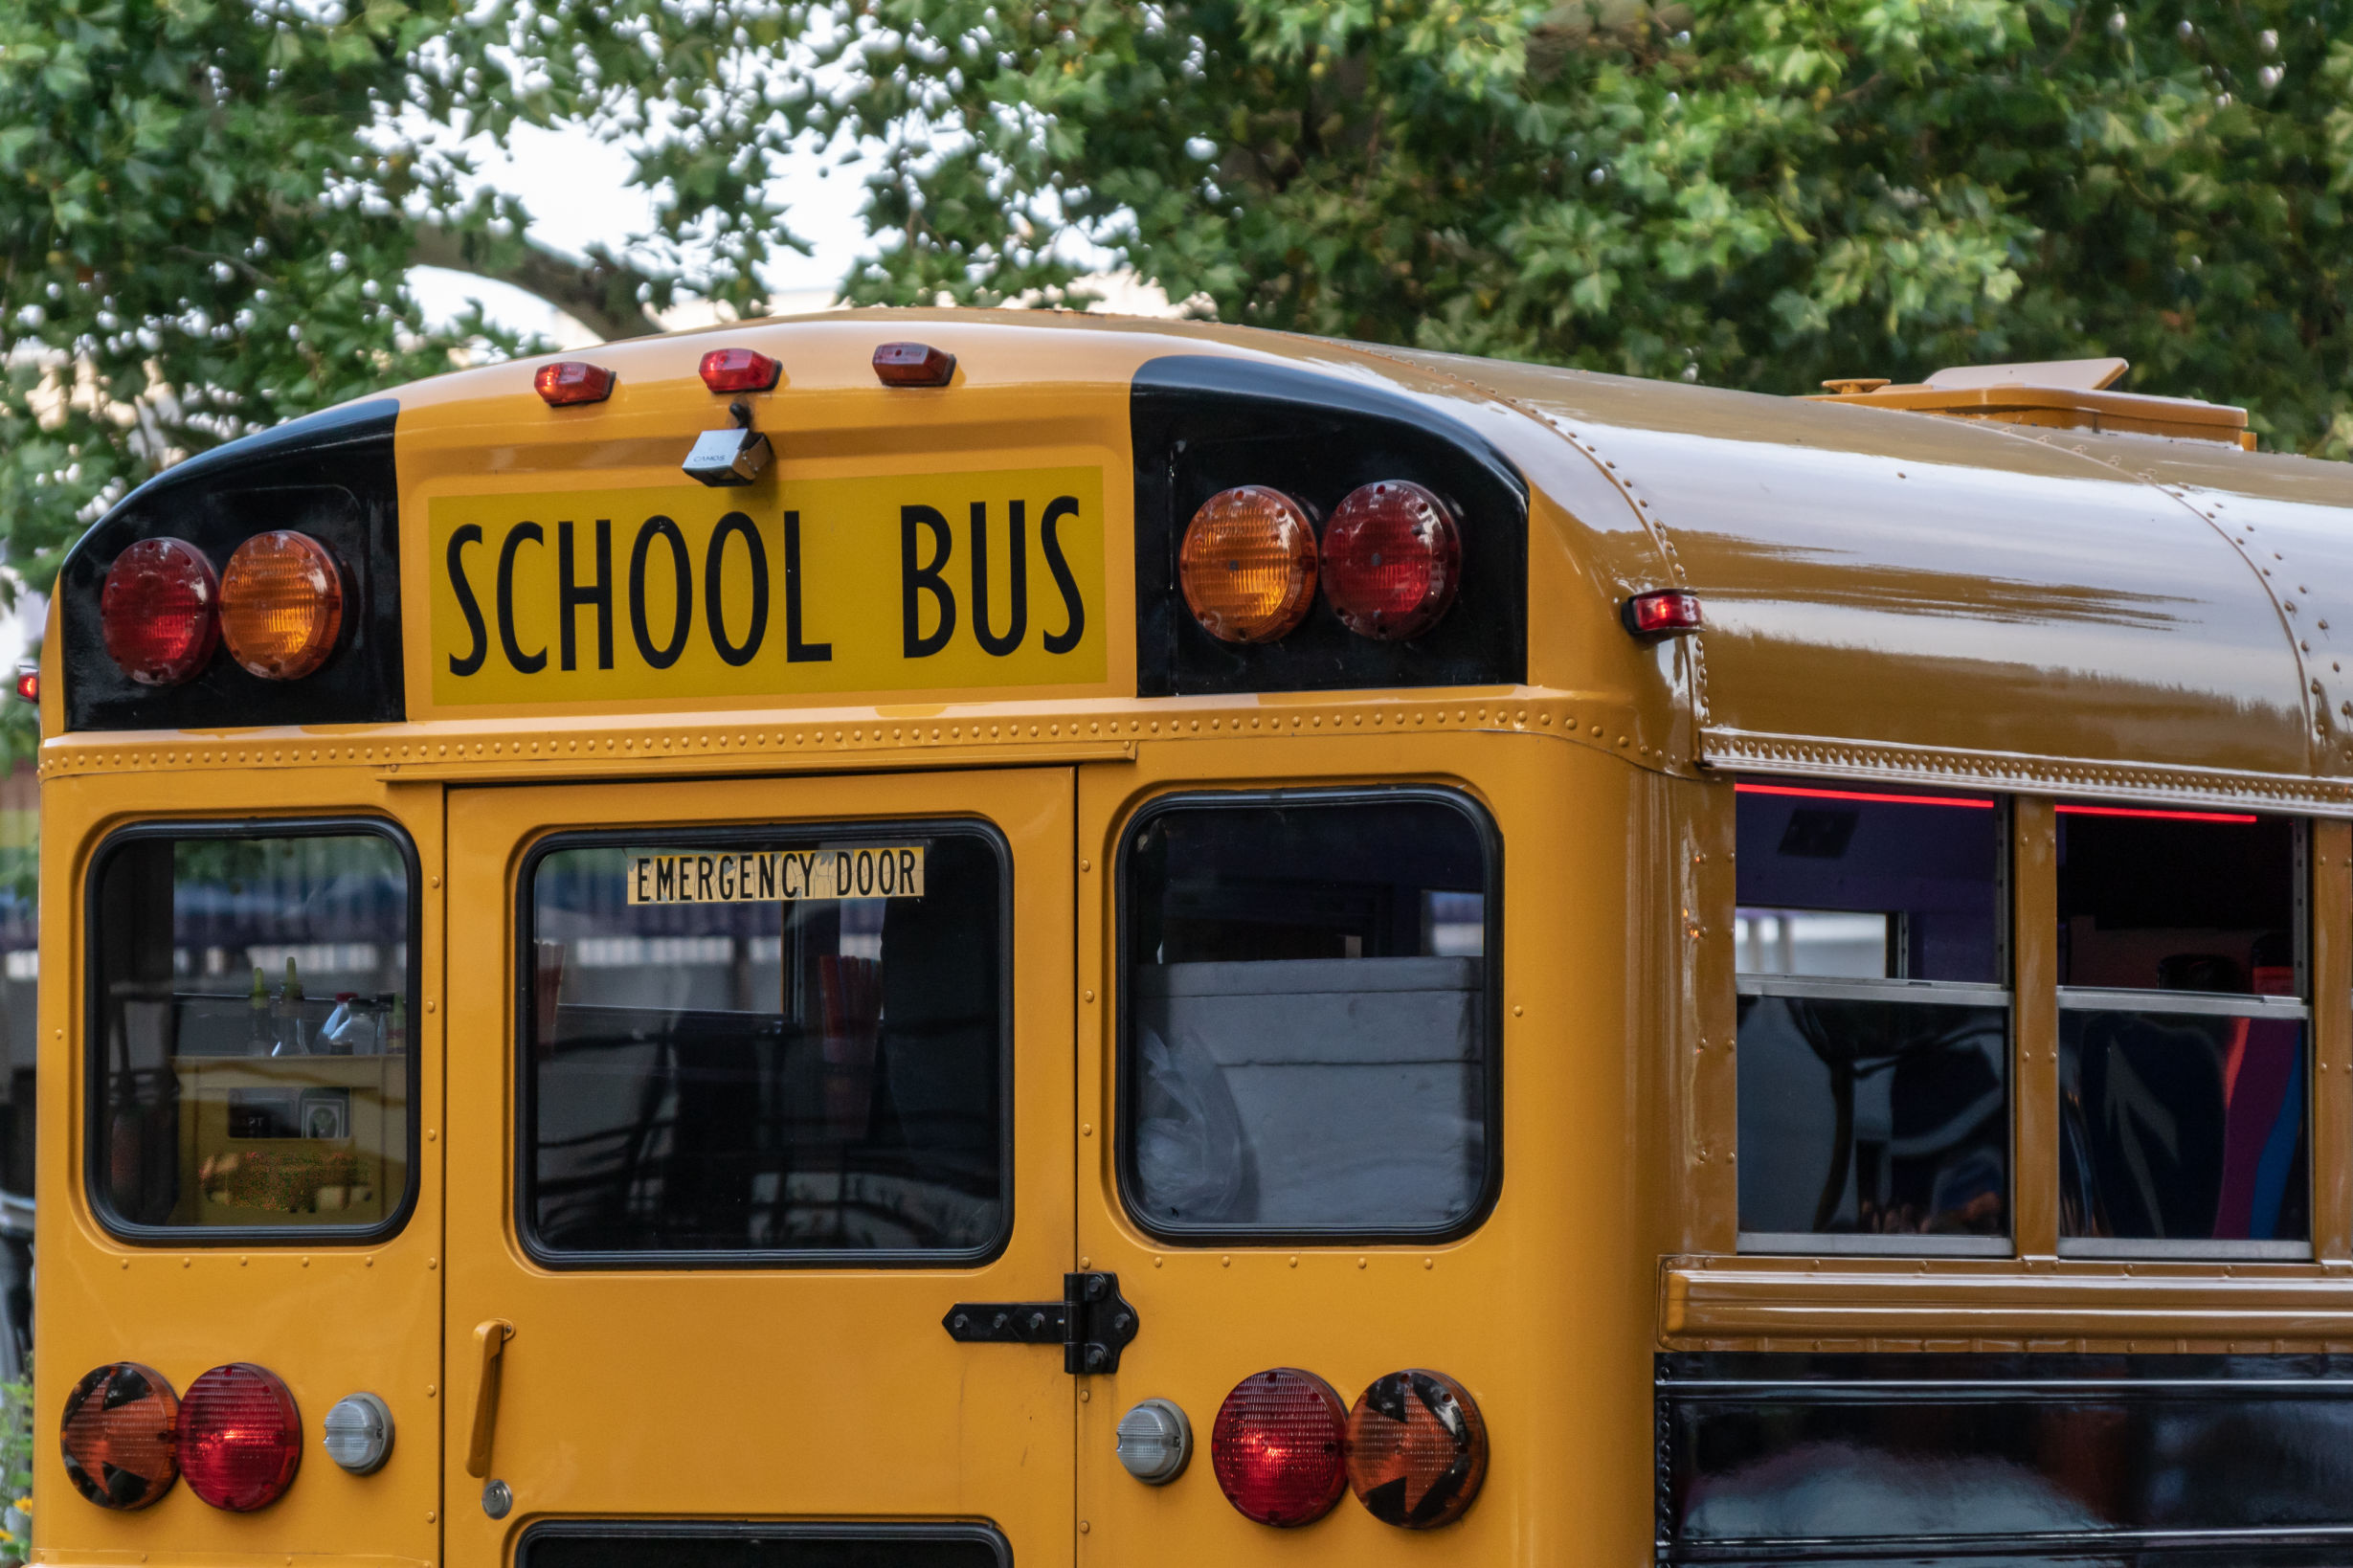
x: 121, y: 1435
x: 1277, y: 1445
x: 281, y: 604
x: 240, y: 1437
x: 1247, y: 564
x: 1416, y: 1450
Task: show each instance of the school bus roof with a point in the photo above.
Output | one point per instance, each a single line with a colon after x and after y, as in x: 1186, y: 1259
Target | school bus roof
x: 1889, y: 593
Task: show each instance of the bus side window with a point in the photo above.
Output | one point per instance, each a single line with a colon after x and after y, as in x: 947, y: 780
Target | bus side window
x: 1310, y: 1015
x: 2183, y: 1059
x: 1873, y: 1012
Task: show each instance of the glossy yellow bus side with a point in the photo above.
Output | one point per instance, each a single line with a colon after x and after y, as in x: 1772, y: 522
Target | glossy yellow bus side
x: 330, y: 1320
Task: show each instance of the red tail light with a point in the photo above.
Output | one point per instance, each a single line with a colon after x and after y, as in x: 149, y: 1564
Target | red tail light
x: 121, y: 1435
x: 1664, y: 614
x: 159, y: 611
x: 240, y: 1437
x: 1276, y: 1448
x: 1416, y: 1450
x: 572, y: 381
x: 739, y: 371
x: 1393, y: 559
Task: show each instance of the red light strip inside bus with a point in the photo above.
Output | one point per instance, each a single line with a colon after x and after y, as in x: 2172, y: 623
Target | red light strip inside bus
x: 1859, y: 794
x: 2157, y: 816
x: 2065, y: 809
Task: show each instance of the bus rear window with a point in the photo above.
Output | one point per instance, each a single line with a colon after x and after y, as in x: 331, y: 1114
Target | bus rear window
x: 1310, y: 1015
x: 248, y: 1030
x: 775, y: 1042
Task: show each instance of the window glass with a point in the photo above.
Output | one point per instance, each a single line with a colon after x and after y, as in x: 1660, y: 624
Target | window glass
x: 787, y: 1042
x: 250, y: 1031
x: 1874, y: 1019
x: 2183, y: 1114
x: 1307, y: 1013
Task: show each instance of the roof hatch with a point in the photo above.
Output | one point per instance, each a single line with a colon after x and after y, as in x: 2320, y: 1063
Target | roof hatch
x: 2062, y: 393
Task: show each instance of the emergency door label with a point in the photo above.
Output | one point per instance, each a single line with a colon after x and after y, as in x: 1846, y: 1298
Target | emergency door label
x: 771, y: 876
x: 776, y: 589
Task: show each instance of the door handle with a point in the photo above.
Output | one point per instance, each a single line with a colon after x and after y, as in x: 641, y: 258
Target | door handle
x: 490, y: 1340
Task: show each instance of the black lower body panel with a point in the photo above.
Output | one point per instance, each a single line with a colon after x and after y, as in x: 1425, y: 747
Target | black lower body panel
x: 2005, y: 1461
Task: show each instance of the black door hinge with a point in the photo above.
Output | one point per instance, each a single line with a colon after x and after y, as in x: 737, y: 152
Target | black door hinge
x: 1093, y: 1323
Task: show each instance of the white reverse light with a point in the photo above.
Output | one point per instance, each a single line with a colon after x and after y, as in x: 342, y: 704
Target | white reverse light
x: 359, y: 1433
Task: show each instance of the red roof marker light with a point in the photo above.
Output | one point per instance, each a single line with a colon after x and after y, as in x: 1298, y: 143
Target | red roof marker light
x: 571, y: 381
x: 914, y: 364
x: 739, y: 371
x: 1667, y: 611
x: 28, y: 684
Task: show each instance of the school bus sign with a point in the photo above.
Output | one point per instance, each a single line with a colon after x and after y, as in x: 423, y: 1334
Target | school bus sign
x: 965, y: 579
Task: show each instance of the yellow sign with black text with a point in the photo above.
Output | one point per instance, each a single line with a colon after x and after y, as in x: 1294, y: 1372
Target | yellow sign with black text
x: 776, y: 876
x: 884, y: 584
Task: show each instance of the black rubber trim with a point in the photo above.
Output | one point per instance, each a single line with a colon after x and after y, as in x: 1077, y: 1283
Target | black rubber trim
x: 329, y: 475
x: 758, y: 1543
x: 1490, y: 843
x: 1201, y: 423
x: 94, y: 1110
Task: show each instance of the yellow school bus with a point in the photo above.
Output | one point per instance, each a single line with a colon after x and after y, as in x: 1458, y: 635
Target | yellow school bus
x: 958, y: 939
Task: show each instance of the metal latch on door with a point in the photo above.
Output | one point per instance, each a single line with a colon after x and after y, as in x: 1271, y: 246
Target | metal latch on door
x: 1093, y: 1323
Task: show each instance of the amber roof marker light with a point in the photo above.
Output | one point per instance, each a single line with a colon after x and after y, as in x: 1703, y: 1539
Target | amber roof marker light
x: 914, y: 364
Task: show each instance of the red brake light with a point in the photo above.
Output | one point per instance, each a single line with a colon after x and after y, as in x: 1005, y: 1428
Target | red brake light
x: 1276, y: 1448
x: 739, y: 371
x: 573, y: 381
x: 159, y: 611
x: 1416, y: 1450
x: 120, y: 1434
x: 1393, y: 559
x: 240, y: 1437
x: 1666, y: 612
x: 914, y: 364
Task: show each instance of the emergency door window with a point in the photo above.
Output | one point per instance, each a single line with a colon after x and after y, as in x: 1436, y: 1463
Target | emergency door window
x: 1875, y: 1009
x: 2183, y: 1058
x: 1308, y: 1015
x: 249, y: 1030
x: 775, y: 1041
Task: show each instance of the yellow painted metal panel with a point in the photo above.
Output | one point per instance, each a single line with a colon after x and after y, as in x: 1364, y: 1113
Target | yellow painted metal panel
x: 330, y: 1319
x: 1544, y: 1312
x: 805, y: 1391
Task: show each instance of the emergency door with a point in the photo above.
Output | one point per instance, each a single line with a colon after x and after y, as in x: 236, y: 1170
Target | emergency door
x: 748, y: 1090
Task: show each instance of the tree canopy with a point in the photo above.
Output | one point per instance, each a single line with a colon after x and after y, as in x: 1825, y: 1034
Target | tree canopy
x: 207, y: 206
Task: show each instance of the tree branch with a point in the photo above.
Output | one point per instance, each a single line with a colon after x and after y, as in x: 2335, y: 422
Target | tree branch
x: 601, y: 295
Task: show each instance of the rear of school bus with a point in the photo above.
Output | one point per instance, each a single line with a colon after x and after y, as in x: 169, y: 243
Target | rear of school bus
x: 729, y: 954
